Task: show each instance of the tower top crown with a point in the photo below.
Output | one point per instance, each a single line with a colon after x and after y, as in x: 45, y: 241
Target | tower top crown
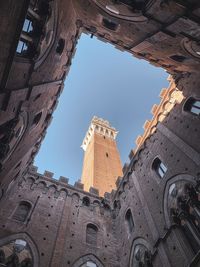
x: 101, y: 127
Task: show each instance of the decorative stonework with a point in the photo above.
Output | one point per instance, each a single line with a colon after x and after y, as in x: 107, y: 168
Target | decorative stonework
x: 101, y: 127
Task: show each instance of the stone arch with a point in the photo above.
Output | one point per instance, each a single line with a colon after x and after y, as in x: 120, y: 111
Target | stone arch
x: 178, y: 178
x: 63, y: 193
x: 52, y: 190
x: 85, y: 258
x: 30, y: 180
x: 181, y: 211
x: 42, y: 186
x: 141, y: 247
x: 75, y: 198
x: 124, y: 11
x: 25, y: 237
x: 96, y: 203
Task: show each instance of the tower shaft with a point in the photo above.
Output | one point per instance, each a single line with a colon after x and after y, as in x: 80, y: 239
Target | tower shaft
x: 102, y: 164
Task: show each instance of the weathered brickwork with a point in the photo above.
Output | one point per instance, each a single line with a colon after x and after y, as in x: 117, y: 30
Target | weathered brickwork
x: 152, y: 219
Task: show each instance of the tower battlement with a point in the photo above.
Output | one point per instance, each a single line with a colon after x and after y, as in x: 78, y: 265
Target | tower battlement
x: 101, y: 127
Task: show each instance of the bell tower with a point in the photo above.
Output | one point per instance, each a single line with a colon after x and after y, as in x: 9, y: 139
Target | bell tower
x: 102, y: 164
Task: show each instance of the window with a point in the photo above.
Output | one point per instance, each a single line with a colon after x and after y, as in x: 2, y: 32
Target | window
x: 37, y: 118
x: 141, y: 256
x: 159, y: 167
x: 60, y: 46
x: 129, y: 221
x: 22, y: 47
x: 89, y: 264
x: 135, y: 4
x: 32, y: 30
x: 109, y: 24
x: 28, y: 25
x: 86, y: 201
x: 181, y: 207
x: 178, y: 58
x: 26, y: 46
x: 91, y: 234
x: 16, y: 253
x: 22, y: 211
x: 192, y: 105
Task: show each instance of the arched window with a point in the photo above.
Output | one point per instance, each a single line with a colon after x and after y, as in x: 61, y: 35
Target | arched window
x: 89, y: 264
x: 159, y: 167
x: 109, y: 24
x: 178, y: 58
x: 89, y: 260
x: 141, y: 256
x: 129, y: 221
x: 22, y: 211
x: 36, y: 119
x: 135, y: 4
x: 184, y: 210
x: 91, y: 234
x: 86, y: 201
x: 60, y: 46
x: 192, y: 105
x: 16, y: 253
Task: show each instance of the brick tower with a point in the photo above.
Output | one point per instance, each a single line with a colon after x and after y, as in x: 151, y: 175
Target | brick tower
x: 102, y: 164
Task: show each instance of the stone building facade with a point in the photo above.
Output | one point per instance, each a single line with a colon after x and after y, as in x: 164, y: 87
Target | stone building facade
x: 152, y: 219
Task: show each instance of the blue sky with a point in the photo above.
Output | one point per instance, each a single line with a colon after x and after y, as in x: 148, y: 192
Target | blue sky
x: 105, y: 82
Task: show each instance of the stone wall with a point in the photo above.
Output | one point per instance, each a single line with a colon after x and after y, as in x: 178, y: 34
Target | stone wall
x: 58, y: 218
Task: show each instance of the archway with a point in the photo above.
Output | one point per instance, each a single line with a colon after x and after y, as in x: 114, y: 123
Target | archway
x: 88, y: 261
x: 18, y: 250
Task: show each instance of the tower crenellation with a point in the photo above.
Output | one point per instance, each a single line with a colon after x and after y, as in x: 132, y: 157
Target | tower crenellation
x: 100, y: 126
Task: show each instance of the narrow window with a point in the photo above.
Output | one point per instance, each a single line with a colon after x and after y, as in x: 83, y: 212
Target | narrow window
x: 129, y: 221
x: 60, y: 46
x: 192, y: 105
x: 28, y: 26
x: 22, y: 211
x: 37, y: 118
x: 109, y: 24
x: 22, y: 47
x: 91, y: 234
x: 159, y: 167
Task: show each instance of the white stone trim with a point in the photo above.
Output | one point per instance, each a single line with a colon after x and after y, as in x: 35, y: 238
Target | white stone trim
x: 101, y: 127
